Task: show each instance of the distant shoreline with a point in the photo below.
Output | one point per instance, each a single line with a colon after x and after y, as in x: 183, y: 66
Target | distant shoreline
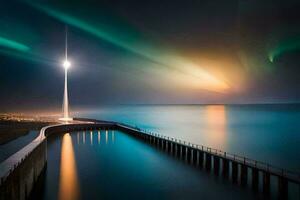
x: 52, y: 113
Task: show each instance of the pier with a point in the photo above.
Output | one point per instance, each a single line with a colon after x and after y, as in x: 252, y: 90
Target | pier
x: 20, y: 171
x: 241, y: 170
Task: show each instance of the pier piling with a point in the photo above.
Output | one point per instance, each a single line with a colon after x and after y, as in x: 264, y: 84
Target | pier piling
x: 176, y: 150
x: 225, y: 168
x: 266, y: 182
x: 282, y: 188
x: 255, y: 179
x: 194, y: 156
x: 216, y: 165
x: 234, y: 172
x: 208, y: 161
x: 244, y: 175
x: 189, y: 154
x: 200, y: 158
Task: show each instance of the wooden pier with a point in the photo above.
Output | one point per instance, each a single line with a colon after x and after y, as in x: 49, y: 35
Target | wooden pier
x: 241, y: 170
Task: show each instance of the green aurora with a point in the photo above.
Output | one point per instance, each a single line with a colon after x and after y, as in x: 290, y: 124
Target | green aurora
x: 287, y: 45
x: 11, y: 44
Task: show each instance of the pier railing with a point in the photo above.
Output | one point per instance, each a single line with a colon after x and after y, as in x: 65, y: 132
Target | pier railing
x: 278, y: 171
x: 262, y: 166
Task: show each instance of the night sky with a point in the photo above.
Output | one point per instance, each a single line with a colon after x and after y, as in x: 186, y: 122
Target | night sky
x: 149, y: 52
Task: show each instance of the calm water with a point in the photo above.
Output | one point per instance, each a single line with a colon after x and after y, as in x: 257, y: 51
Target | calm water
x: 268, y: 133
x: 114, y: 165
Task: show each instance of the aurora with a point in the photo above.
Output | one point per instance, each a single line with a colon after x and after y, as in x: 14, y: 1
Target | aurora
x: 288, y: 45
x: 11, y: 44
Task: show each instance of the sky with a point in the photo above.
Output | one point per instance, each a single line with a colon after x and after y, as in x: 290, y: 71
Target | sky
x: 149, y: 52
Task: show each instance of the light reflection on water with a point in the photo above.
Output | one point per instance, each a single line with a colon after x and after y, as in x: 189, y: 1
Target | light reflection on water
x: 91, y: 137
x: 106, y: 136
x: 216, y: 125
x: 68, y: 181
x: 122, y: 167
x: 83, y: 137
x: 94, y: 137
x: 99, y: 136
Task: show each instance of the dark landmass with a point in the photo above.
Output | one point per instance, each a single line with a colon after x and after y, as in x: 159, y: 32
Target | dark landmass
x: 12, y: 127
x: 10, y: 130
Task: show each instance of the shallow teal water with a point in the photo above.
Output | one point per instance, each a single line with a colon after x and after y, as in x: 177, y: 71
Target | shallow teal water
x: 114, y: 165
x: 269, y: 133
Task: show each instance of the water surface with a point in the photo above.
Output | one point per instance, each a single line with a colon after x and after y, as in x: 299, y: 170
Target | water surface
x: 114, y: 165
x: 269, y: 133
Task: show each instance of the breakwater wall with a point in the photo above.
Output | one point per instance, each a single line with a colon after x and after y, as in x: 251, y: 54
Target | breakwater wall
x: 20, y: 172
